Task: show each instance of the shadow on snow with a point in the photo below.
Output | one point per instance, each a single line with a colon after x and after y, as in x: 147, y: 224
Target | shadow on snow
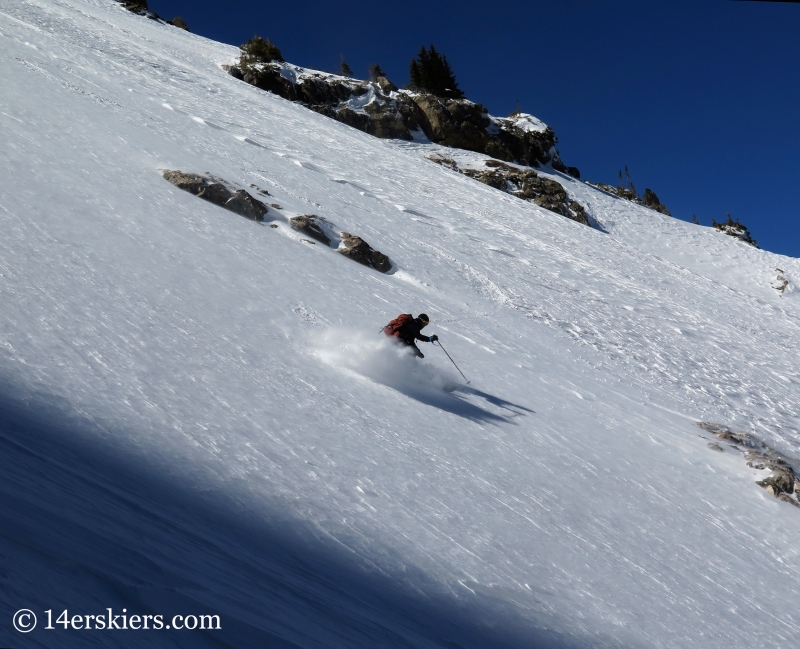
x: 460, y: 400
x: 87, y: 524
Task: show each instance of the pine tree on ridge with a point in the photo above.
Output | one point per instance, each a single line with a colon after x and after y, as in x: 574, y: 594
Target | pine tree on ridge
x: 431, y: 72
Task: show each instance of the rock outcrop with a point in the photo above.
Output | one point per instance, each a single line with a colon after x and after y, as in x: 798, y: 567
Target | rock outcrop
x: 357, y: 249
x: 648, y: 200
x: 735, y: 229
x: 243, y: 204
x: 782, y: 483
x: 179, y: 22
x: 523, y: 183
x: 134, y: 5
x: 216, y: 191
x: 307, y: 224
x: 380, y: 109
x: 651, y: 200
x: 781, y: 282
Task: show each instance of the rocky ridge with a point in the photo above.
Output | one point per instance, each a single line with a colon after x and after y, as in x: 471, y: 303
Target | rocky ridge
x: 382, y: 109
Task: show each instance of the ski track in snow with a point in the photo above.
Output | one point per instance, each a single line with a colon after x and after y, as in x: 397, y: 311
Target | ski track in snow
x: 198, y: 414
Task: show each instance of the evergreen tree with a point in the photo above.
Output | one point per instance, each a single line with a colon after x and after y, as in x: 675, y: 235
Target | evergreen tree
x: 630, y: 182
x: 375, y: 71
x: 344, y: 69
x: 258, y: 50
x: 415, y: 75
x: 431, y: 72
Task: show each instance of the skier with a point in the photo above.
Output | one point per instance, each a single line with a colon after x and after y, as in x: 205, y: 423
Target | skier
x: 406, y: 328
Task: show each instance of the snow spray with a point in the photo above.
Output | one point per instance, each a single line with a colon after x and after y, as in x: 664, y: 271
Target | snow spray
x: 382, y: 360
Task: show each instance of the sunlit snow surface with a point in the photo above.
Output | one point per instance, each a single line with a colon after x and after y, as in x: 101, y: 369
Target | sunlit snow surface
x: 199, y: 414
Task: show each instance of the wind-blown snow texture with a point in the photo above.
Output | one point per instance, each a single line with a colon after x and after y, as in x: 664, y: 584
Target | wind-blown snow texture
x: 199, y: 415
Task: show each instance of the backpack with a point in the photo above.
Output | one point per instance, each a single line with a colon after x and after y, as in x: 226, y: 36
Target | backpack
x: 394, y: 327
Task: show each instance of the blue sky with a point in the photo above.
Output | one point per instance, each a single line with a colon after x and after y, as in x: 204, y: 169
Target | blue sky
x: 700, y: 99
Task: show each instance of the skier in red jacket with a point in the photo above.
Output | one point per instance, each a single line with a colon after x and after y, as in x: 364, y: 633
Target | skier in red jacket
x: 408, y: 329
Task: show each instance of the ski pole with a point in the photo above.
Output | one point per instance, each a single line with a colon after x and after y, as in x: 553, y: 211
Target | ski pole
x: 452, y: 361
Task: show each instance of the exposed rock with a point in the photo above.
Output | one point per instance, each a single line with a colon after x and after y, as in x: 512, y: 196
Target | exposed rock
x: 307, y: 224
x: 245, y: 205
x: 413, y: 116
x: 386, y: 122
x: 788, y: 499
x: 445, y: 162
x: 780, y: 283
x: 713, y: 428
x: 770, y: 489
x: 385, y: 85
x: 139, y: 7
x: 135, y: 5
x: 192, y: 183
x: 463, y: 124
x: 760, y: 456
x: 217, y: 192
x: 357, y: 249
x: 492, y: 178
x: 345, y: 115
x: 179, y: 22
x: 716, y: 447
x: 234, y: 71
x: 651, y: 200
x: 735, y: 229
x: 578, y: 213
x: 528, y: 185
x: 629, y: 194
x: 532, y: 147
x: 781, y: 481
x: 394, y: 113
x: 266, y: 77
x: 457, y: 123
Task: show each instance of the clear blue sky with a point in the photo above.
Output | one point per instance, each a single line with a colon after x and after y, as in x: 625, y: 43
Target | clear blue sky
x: 700, y: 99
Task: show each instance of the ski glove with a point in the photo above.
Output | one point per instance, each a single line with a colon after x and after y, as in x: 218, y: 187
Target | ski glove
x: 433, y: 338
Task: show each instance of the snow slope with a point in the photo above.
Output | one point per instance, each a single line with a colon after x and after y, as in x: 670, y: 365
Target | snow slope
x: 199, y: 416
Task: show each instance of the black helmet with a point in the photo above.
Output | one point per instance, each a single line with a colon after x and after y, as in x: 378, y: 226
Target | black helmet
x: 424, y: 318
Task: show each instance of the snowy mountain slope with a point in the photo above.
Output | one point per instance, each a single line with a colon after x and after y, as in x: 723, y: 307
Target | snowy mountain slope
x: 200, y: 417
